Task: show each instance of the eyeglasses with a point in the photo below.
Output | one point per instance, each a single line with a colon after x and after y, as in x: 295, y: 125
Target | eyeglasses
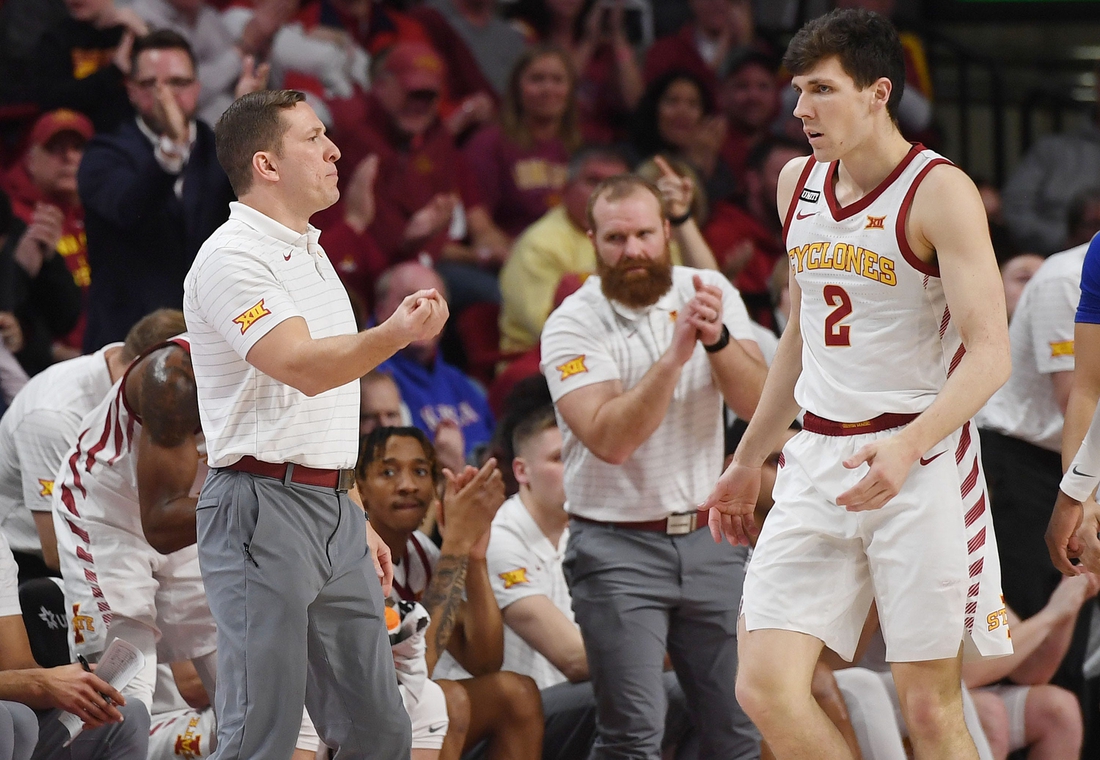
x: 176, y: 83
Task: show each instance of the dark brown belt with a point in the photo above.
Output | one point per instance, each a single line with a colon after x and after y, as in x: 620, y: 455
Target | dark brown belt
x: 674, y: 525
x: 288, y: 472
x: 822, y: 426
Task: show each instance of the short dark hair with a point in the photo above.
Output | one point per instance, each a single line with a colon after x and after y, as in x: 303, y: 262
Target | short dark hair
x: 160, y: 39
x: 619, y: 187
x: 530, y: 425
x: 373, y: 445
x: 866, y: 44
x: 594, y: 152
x: 151, y: 330
x: 250, y: 125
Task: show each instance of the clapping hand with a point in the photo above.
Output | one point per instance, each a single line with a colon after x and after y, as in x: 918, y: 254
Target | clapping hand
x: 420, y: 316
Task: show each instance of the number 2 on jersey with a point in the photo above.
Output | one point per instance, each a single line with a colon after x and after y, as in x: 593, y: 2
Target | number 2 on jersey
x: 837, y: 334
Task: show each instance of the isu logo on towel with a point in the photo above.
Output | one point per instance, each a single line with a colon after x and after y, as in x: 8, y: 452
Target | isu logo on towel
x: 514, y: 577
x: 189, y: 744
x: 572, y: 367
x: 47, y: 487
x: 81, y: 623
x: 251, y: 316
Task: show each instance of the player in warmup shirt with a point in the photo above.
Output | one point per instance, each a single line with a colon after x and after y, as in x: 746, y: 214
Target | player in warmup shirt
x: 897, y: 337
x: 44, y: 421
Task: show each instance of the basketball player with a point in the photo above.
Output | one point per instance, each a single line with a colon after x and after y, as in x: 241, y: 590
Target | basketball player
x: 897, y: 337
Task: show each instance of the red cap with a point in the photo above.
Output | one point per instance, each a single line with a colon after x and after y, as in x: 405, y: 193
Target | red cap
x: 50, y: 125
x: 416, y: 66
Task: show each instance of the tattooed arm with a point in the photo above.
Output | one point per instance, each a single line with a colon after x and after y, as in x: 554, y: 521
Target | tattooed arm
x: 466, y: 628
x: 163, y: 387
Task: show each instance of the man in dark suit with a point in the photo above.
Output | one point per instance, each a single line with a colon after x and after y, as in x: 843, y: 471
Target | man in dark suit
x: 152, y: 191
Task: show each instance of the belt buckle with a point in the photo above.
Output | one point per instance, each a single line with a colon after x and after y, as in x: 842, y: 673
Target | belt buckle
x: 681, y: 524
x: 345, y: 480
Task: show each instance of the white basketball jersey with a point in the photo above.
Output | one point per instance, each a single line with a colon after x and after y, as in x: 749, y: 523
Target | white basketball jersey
x: 97, y: 481
x: 877, y: 335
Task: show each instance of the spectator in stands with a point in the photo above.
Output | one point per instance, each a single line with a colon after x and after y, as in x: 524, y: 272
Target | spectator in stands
x: 153, y: 191
x: 1016, y: 272
x: 428, y: 190
x: 1083, y: 217
x: 496, y: 44
x: 552, y: 258
x: 435, y: 392
x: 749, y: 97
x: 677, y: 117
x: 747, y: 239
x: 82, y: 62
x: 39, y: 300
x: 41, y: 425
x: 397, y: 476
x: 223, y: 67
x: 520, y: 165
x: 541, y: 639
x: 465, y: 96
x: 1021, y: 439
x: 1054, y: 171
x: 717, y: 30
x: 115, y: 730
x: 609, y: 77
x: 1028, y: 712
x: 380, y: 402
x: 42, y: 187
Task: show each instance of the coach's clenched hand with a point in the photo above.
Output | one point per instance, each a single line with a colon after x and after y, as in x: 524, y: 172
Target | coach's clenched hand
x: 420, y: 316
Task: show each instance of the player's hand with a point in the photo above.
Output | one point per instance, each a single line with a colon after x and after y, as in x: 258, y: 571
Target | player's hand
x: 705, y: 311
x: 890, y: 460
x: 1061, y: 538
x: 676, y: 191
x: 470, y: 502
x: 420, y: 316
x: 382, y: 559
x: 1086, y: 536
x: 731, y: 504
x: 74, y: 690
x: 1070, y: 594
x: 359, y: 204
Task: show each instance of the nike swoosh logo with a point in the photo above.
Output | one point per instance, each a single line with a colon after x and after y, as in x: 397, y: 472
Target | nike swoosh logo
x: 1075, y: 471
x: 930, y: 460
x: 435, y: 729
x: 286, y: 256
x: 804, y: 216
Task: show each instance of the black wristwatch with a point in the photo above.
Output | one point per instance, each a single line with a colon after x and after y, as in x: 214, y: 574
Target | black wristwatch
x: 676, y: 221
x: 718, y: 345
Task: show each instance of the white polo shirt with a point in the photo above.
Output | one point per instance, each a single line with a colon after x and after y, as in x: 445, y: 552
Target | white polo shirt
x: 248, y: 277
x: 1041, y: 335
x: 36, y: 431
x: 522, y: 562
x: 590, y: 339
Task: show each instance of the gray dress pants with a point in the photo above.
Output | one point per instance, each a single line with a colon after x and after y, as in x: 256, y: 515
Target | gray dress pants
x: 128, y: 740
x: 636, y: 595
x: 300, y: 619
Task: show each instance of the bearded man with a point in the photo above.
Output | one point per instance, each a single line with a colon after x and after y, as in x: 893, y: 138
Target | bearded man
x: 639, y: 362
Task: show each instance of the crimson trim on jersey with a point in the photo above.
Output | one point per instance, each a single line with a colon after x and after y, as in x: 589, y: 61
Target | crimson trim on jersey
x: 180, y: 341
x: 903, y: 214
x: 840, y: 213
x: 810, y: 162
x: 814, y: 424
